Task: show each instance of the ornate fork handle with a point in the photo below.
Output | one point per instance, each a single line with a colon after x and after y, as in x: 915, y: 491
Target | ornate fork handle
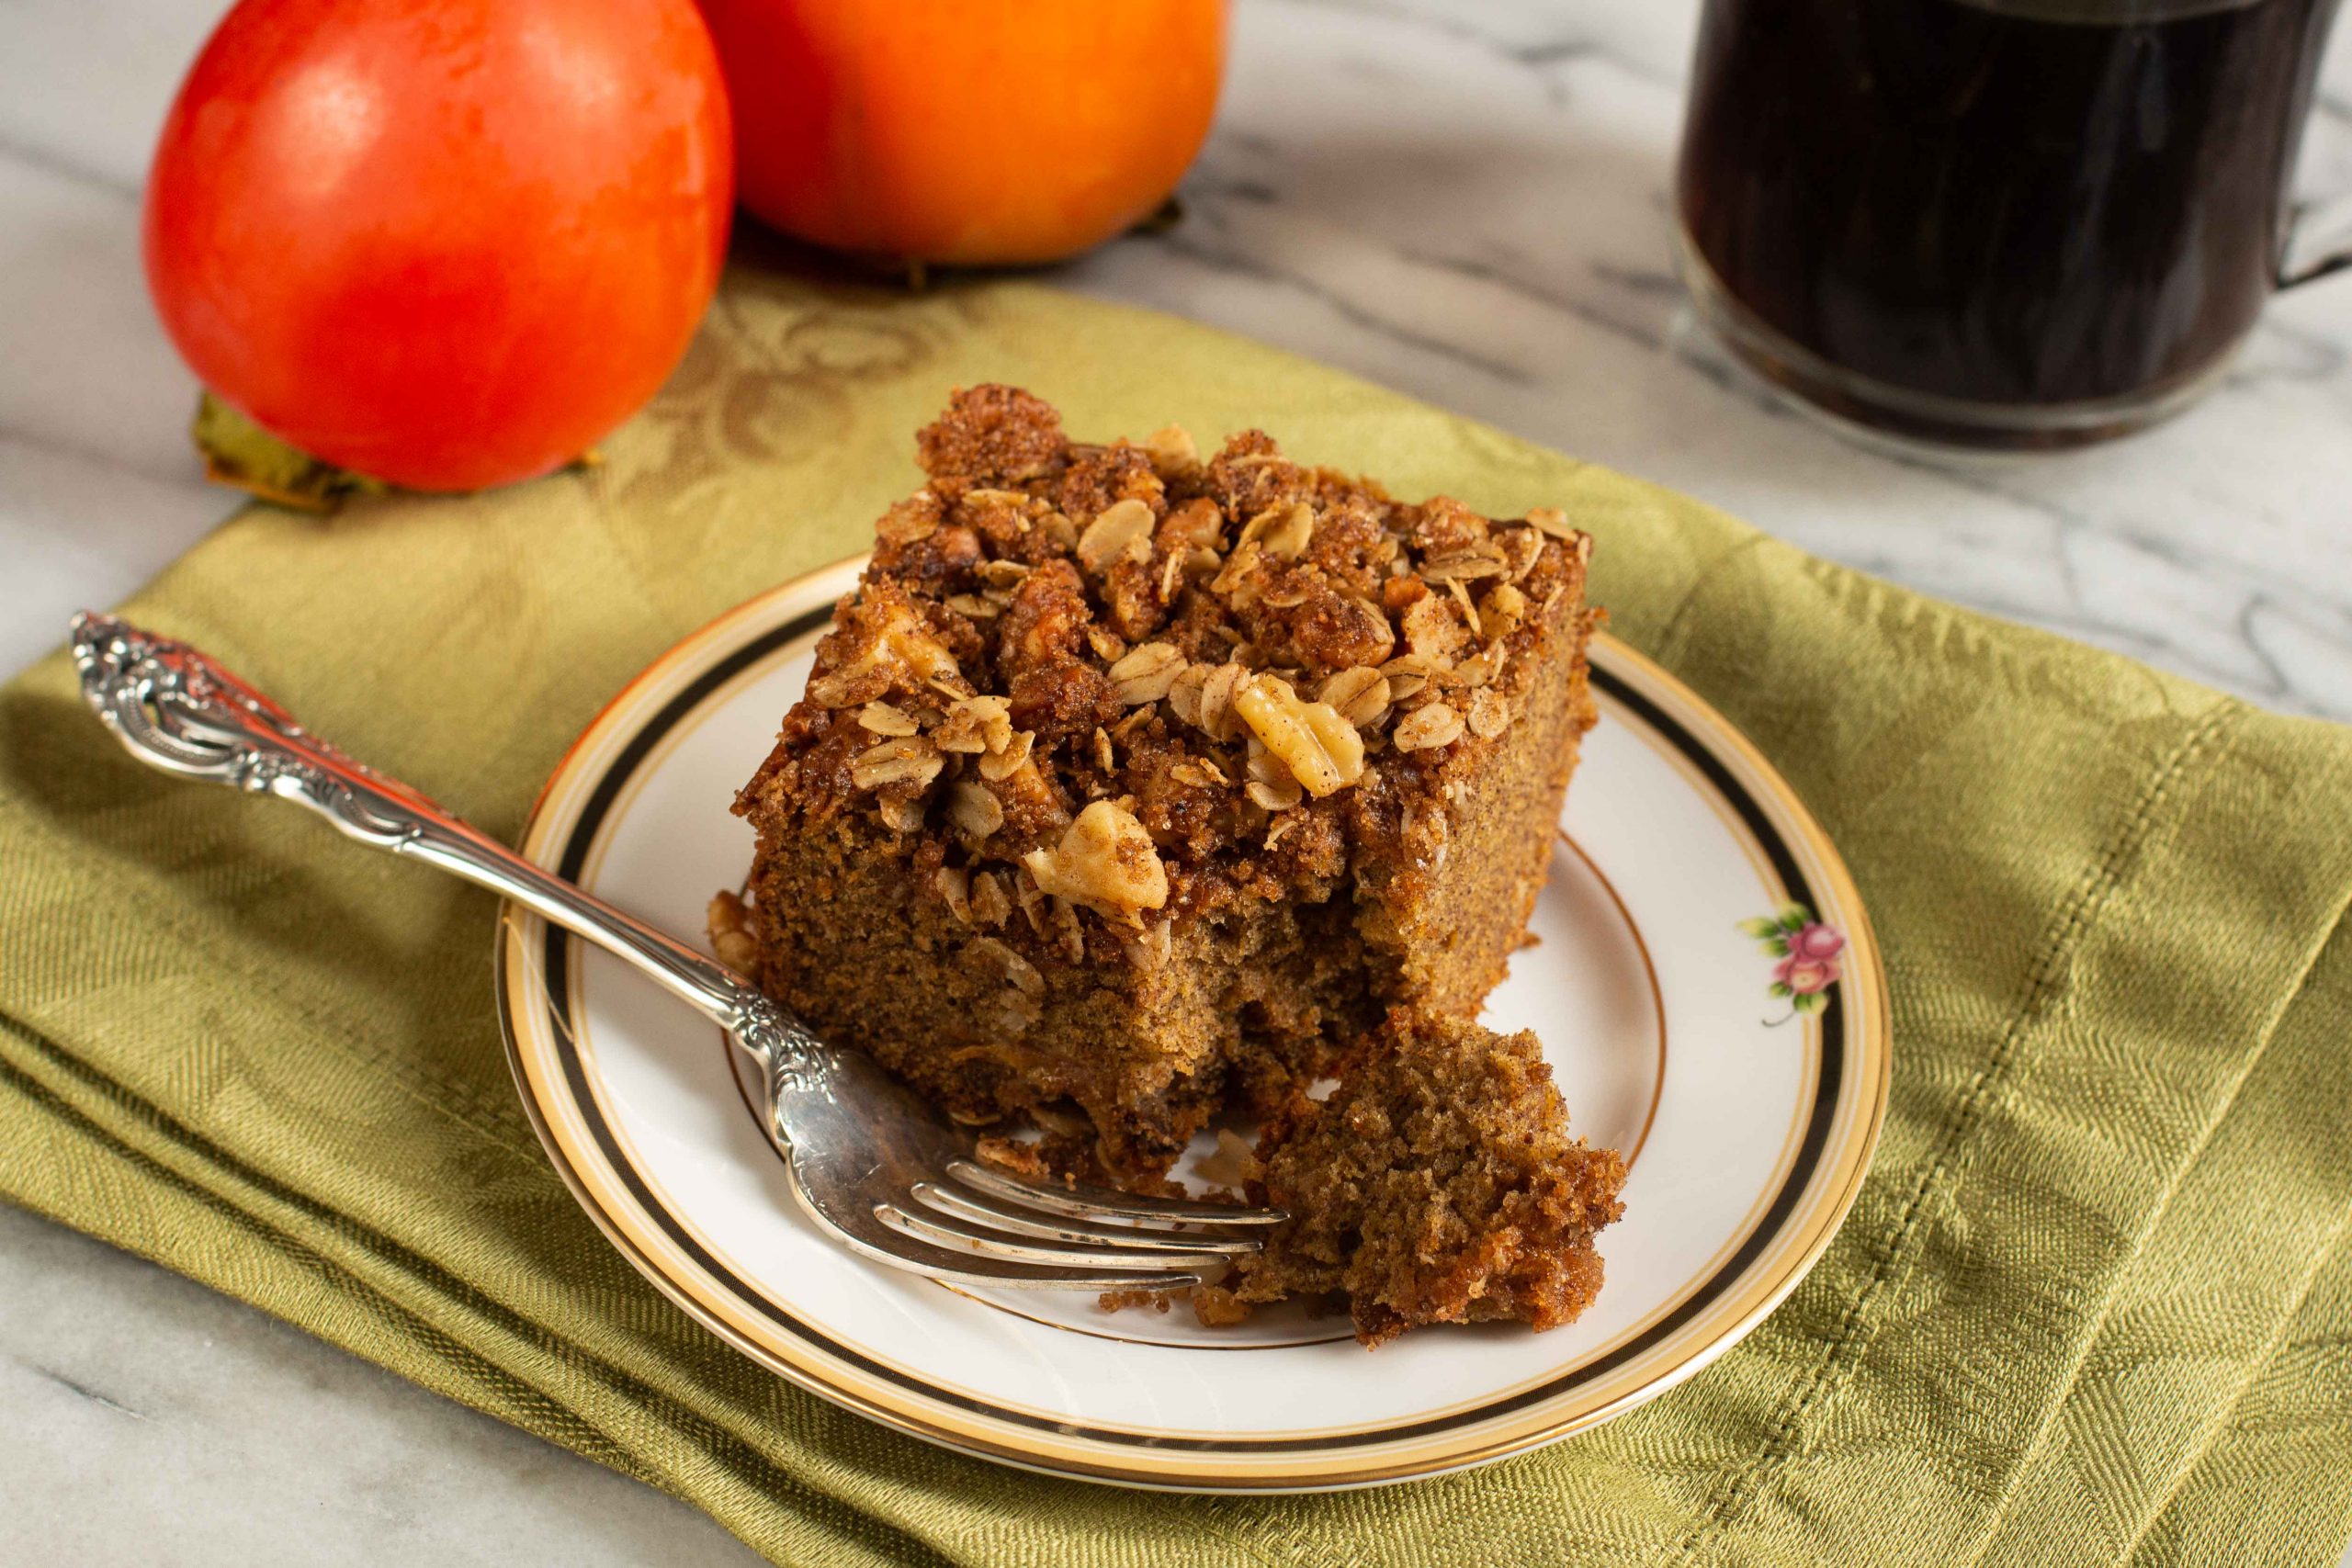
x: 175, y: 709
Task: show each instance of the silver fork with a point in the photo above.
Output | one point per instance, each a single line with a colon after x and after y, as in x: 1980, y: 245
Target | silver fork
x: 875, y: 1166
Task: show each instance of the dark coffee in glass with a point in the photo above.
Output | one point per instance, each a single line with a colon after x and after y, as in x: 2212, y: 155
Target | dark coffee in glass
x: 1996, y: 223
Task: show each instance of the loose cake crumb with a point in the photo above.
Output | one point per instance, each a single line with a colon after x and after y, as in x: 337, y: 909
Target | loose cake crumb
x: 1437, y: 1184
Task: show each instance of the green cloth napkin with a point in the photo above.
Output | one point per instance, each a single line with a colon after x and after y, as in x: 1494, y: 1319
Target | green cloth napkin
x: 2094, y: 1304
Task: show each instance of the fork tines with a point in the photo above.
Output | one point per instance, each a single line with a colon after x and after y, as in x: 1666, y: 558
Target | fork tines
x: 1160, y: 1241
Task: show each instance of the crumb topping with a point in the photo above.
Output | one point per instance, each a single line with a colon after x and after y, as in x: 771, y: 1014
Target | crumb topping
x: 1097, y: 687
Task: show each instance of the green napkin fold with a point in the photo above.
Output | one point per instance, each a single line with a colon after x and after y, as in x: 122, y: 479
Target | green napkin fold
x: 2094, y: 1304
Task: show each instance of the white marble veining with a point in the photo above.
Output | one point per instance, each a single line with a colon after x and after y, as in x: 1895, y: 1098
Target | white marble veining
x: 149, y: 1420
x: 1464, y: 200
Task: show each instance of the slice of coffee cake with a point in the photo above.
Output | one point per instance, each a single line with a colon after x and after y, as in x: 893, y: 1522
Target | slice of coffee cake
x: 1144, y: 784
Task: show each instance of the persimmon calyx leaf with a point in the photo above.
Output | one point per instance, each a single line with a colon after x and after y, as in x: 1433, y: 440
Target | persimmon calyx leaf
x: 242, y: 454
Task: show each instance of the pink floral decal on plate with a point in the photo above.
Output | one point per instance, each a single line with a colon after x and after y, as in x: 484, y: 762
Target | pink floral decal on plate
x: 1807, y: 949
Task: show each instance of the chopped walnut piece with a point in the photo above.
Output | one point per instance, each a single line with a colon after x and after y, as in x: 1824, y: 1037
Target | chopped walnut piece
x: 1105, y: 861
x: 1500, y: 612
x: 1121, y: 531
x: 1427, y: 728
x: 733, y: 936
x: 1147, y: 673
x: 1322, y: 750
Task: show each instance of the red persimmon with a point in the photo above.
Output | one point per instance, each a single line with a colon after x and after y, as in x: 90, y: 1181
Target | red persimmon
x: 448, y: 243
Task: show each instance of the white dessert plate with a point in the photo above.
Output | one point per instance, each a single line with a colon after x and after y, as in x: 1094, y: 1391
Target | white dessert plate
x: 1690, y: 883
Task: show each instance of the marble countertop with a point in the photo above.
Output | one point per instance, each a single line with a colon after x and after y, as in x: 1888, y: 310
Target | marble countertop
x: 1466, y: 202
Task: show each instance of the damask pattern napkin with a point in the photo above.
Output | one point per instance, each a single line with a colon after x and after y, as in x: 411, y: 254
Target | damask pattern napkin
x: 2094, y: 1304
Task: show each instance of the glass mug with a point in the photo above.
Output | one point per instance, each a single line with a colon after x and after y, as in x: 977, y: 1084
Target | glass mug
x: 1998, y: 223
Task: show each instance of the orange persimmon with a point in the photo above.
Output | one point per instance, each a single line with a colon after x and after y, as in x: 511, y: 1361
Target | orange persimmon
x: 969, y: 131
